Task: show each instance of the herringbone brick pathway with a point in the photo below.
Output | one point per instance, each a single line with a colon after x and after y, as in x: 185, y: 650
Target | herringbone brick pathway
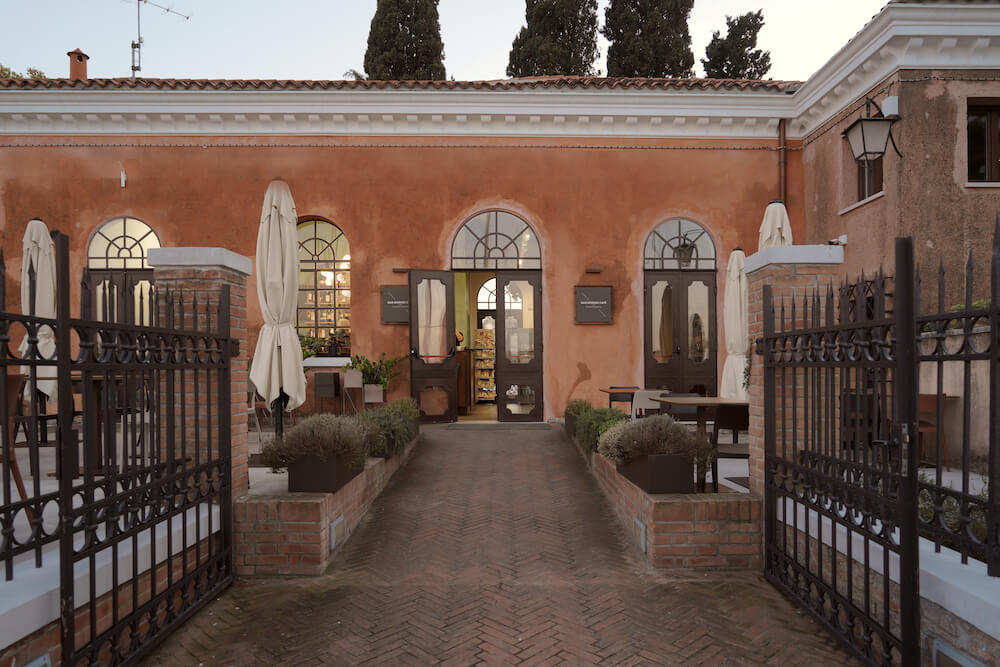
x: 496, y: 547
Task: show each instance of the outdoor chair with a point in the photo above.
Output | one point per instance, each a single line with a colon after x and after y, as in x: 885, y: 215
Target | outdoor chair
x: 15, y: 388
x: 621, y: 394
x: 643, y: 403
x: 255, y: 407
x: 733, y: 418
x: 927, y: 410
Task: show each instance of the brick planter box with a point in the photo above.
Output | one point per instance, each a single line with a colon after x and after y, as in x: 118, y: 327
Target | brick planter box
x: 685, y: 530
x: 298, y: 533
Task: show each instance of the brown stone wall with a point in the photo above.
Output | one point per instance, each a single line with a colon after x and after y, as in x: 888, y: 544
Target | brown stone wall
x: 925, y: 192
x: 696, y: 531
x: 592, y: 203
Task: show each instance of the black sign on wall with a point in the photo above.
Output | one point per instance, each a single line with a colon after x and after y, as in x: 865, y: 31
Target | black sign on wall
x: 593, y: 304
x: 395, y: 304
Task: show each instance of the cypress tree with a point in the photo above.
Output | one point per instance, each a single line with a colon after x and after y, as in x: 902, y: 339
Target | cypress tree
x: 560, y: 38
x: 736, y: 55
x: 649, y: 38
x: 404, y: 42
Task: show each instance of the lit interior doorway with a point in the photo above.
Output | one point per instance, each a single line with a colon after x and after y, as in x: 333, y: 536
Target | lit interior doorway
x: 496, y: 262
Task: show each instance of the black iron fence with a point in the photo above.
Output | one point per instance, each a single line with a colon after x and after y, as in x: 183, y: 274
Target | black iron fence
x: 881, y: 426
x: 125, y: 432
x: 958, y: 354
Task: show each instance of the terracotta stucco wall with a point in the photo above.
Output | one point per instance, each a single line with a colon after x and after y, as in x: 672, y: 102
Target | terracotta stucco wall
x: 925, y: 193
x: 400, y: 202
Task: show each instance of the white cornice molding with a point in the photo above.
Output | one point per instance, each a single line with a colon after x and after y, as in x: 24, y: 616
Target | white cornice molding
x: 556, y: 113
x: 901, y: 36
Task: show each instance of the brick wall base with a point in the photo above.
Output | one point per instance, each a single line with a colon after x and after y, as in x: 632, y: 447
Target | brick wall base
x: 695, y: 531
x: 47, y: 641
x: 290, y: 534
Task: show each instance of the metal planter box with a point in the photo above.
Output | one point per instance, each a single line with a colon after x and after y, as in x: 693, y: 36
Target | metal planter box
x: 660, y: 473
x: 309, y: 474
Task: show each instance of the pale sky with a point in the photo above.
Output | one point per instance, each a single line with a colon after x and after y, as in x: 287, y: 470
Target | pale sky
x: 322, y: 39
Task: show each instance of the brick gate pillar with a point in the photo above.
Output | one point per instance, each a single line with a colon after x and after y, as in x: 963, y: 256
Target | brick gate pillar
x: 203, y: 272
x: 790, y: 271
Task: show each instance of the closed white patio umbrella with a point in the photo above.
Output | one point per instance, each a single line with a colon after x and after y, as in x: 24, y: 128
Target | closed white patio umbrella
x: 38, y: 254
x: 737, y: 328
x: 775, y: 228
x: 277, y: 360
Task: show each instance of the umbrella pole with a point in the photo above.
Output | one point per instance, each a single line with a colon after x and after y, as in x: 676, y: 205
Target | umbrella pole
x: 278, y: 410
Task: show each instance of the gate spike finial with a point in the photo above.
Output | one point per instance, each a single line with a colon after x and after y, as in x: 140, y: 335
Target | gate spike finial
x: 968, y: 281
x: 941, y: 286
x: 996, y: 238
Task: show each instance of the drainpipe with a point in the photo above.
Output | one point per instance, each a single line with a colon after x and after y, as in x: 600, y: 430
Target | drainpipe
x: 782, y: 152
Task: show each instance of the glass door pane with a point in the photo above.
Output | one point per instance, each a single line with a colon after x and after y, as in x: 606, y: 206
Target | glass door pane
x: 661, y: 324
x: 432, y: 329
x: 699, y: 325
x: 519, y: 329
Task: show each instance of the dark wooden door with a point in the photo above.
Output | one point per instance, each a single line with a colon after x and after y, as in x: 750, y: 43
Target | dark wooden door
x: 680, y: 335
x: 433, y: 368
x: 519, y: 346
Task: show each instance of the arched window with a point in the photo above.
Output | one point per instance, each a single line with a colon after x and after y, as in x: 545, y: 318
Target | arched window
x: 487, y: 297
x: 116, y: 263
x: 324, y: 283
x: 495, y: 240
x: 679, y: 245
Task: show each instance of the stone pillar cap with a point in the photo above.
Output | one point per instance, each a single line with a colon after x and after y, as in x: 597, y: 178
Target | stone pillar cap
x: 199, y: 258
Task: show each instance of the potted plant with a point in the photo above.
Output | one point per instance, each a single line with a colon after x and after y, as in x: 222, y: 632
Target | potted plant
x: 375, y: 375
x: 573, y: 410
x: 322, y: 453
x: 656, y: 454
x: 310, y: 346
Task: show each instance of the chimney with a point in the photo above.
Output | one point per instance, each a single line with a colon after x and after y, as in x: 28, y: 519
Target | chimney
x: 78, y: 64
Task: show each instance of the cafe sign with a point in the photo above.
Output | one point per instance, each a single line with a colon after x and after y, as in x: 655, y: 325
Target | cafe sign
x: 593, y: 304
x: 395, y: 304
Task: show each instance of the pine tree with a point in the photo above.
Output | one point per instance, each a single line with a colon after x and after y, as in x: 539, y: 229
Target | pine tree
x: 736, y: 55
x: 649, y: 38
x: 404, y: 42
x: 560, y: 38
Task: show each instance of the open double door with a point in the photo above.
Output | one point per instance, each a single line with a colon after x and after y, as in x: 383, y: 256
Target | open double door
x: 518, y: 335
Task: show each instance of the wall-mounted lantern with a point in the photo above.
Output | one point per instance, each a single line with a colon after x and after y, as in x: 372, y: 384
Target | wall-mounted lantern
x: 869, y: 136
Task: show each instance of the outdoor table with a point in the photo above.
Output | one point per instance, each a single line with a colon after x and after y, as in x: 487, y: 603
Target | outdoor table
x: 702, y: 403
x: 619, y: 394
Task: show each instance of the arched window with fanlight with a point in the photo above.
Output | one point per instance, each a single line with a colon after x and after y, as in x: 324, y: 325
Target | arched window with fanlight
x: 324, y: 310
x: 679, y: 262
x: 116, y: 266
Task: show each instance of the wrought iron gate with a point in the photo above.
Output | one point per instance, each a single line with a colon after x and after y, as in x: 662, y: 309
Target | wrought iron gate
x: 141, y: 441
x: 840, y: 391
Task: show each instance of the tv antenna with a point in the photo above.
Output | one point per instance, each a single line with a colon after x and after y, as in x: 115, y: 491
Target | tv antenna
x: 137, y: 44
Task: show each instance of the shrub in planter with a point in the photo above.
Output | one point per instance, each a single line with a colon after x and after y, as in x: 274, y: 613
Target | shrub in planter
x: 656, y: 454
x: 590, y: 423
x: 388, y: 428
x: 574, y: 409
x: 408, y: 407
x: 321, y: 453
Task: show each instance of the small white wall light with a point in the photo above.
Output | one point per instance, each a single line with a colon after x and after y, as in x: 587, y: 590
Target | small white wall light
x: 123, y: 173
